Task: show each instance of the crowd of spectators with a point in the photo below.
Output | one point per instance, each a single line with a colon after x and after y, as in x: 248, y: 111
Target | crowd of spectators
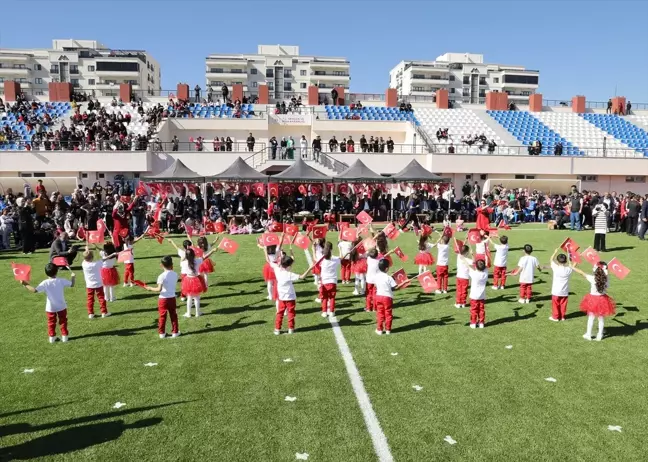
x: 294, y: 106
x: 25, y: 112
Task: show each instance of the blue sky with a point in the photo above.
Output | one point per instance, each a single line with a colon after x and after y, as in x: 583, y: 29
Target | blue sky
x: 580, y: 47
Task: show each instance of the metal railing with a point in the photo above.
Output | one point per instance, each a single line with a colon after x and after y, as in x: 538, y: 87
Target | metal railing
x: 547, y: 151
x: 397, y: 149
x: 331, y: 163
x: 353, y: 97
x: 207, y: 146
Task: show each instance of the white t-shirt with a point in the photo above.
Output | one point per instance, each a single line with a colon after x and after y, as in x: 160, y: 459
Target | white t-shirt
x: 107, y: 263
x: 319, y: 253
x: 372, y: 269
x: 168, y: 280
x: 92, y: 274
x: 345, y: 247
x: 528, y: 264
x: 478, y: 281
x: 480, y: 248
x: 53, y: 288
x: 592, y: 282
x: 186, y: 270
x: 131, y: 259
x: 560, y: 283
x: 285, y: 279
x: 329, y: 271
x: 384, y: 285
x: 501, y: 255
x: 463, y: 270
x: 443, y: 255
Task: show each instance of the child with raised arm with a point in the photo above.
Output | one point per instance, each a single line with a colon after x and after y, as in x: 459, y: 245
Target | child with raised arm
x: 443, y: 258
x: 129, y: 264
x: 527, y: 265
x: 464, y: 264
x: 94, y: 282
x: 478, y: 282
x: 55, y: 306
x: 424, y: 256
x: 385, y: 285
x: 186, y: 244
x: 328, y: 266
x: 344, y: 248
x: 597, y: 304
x: 359, y: 268
x: 166, y: 287
x: 286, y: 296
x: 109, y: 274
x: 562, y: 272
x: 499, y: 263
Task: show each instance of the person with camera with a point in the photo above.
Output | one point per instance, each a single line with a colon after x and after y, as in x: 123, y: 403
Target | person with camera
x: 600, y: 217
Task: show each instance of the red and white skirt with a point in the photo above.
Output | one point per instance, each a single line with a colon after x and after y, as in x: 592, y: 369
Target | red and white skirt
x: 268, y: 273
x: 193, y: 286
x: 207, y: 266
x: 317, y: 270
x: 424, y: 259
x: 109, y: 276
x: 359, y: 266
x: 598, y: 305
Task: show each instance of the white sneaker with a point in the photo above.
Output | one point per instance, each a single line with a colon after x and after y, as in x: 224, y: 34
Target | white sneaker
x: 587, y: 337
x: 186, y: 315
x: 438, y: 291
x: 481, y: 325
x: 198, y: 314
x: 378, y: 332
x: 599, y: 338
x: 64, y: 338
x: 269, y: 298
x: 444, y: 291
x: 176, y: 335
x: 290, y: 331
x: 183, y: 299
x: 553, y: 319
x: 162, y: 335
x: 387, y: 332
x: 277, y: 332
x: 495, y: 288
x: 473, y: 326
x: 91, y: 316
x: 355, y: 292
x: 324, y: 314
x: 457, y: 305
x: 130, y: 284
x: 105, y: 315
x: 528, y: 300
x: 501, y: 288
x: 52, y: 339
x: 318, y: 300
x: 316, y: 283
x: 332, y: 317
x: 125, y: 285
x: 522, y: 301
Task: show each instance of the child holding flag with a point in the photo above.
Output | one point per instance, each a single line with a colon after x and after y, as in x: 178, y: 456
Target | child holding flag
x: 562, y: 272
x: 385, y: 285
x: 166, y: 287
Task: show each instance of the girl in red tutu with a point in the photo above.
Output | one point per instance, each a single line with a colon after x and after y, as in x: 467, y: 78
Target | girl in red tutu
x: 318, y: 253
x: 481, y: 248
x: 109, y: 274
x: 186, y: 244
x: 424, y: 256
x: 597, y: 304
x: 268, y: 272
x: 193, y: 284
x: 359, y: 268
x: 443, y: 260
x: 207, y: 265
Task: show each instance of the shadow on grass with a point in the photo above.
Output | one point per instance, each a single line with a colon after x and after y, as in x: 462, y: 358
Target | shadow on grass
x: 150, y: 310
x: 126, y: 332
x: 516, y: 317
x: 619, y: 249
x: 625, y: 330
x: 234, y: 326
x: 444, y: 321
x: 33, y: 409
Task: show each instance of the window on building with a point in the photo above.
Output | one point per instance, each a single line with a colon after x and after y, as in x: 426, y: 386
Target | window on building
x: 592, y: 178
x: 38, y: 67
x: 339, y: 73
x: 38, y: 81
x: 287, y: 73
x: 74, y: 82
x: 482, y: 93
x: 117, y: 66
x: 254, y: 84
x: 452, y: 90
x: 636, y: 179
x: 270, y: 85
x: 74, y: 69
x: 54, y: 69
x: 302, y: 85
x: 216, y: 70
x: 521, y: 79
x: 525, y: 177
x: 253, y: 71
x: 2, y: 80
x: 287, y: 86
x: 452, y: 78
x: 302, y: 72
x: 236, y: 71
x: 482, y: 81
x: 39, y: 93
x: 269, y: 72
x: 91, y: 81
x: 91, y: 68
x: 466, y: 80
x: 495, y: 79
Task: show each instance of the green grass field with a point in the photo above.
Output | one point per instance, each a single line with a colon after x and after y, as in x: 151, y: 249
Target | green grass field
x: 218, y: 392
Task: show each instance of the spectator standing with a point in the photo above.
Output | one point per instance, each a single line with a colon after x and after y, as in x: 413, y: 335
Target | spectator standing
x: 575, y: 210
x: 250, y: 142
x: 334, y: 96
x: 273, y: 147
x: 609, y: 107
x: 643, y: 224
x: 303, y: 147
x: 628, y: 108
x: 363, y: 143
x: 175, y: 143
x: 633, y: 215
x: 333, y: 144
x: 290, y: 148
x: 225, y: 92
x: 390, y: 145
x: 558, y: 149
x: 284, y: 147
x: 210, y: 94
x: 197, y: 93
x: 317, y: 148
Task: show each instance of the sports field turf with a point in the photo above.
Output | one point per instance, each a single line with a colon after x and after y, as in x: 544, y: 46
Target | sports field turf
x: 218, y: 392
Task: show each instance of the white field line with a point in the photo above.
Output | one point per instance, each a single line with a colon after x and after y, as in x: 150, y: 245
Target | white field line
x: 378, y: 438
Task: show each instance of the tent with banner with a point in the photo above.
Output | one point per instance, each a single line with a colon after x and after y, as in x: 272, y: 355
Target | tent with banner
x: 359, y: 172
x: 177, y: 172
x: 415, y: 172
x: 240, y: 171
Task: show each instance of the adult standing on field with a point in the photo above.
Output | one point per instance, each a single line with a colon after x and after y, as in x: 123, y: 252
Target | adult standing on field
x: 575, y: 210
x: 633, y: 215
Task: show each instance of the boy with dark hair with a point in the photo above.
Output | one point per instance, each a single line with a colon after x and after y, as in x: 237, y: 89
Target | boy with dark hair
x: 562, y: 272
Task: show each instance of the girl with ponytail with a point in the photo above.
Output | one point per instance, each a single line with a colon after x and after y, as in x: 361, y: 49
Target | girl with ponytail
x: 597, y: 304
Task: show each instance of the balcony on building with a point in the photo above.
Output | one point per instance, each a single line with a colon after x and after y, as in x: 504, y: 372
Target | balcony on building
x: 14, y: 69
x: 439, y: 80
x: 119, y: 68
x: 226, y: 60
x: 513, y: 78
x: 330, y: 63
x: 227, y: 73
x: 328, y: 76
x: 428, y: 68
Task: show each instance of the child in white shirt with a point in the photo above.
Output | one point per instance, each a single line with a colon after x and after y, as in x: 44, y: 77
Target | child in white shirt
x: 166, y: 287
x: 443, y: 258
x: 344, y: 248
x: 94, y: 282
x: 527, y: 265
x: 55, y: 306
x: 329, y: 265
x: 286, y: 295
x: 499, y: 263
x: 464, y: 263
x: 478, y: 281
x: 562, y: 272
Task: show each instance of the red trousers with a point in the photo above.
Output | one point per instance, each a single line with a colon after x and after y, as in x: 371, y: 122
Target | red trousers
x: 499, y: 276
x: 129, y: 272
x: 167, y: 306
x: 283, y: 306
x: 327, y: 293
x: 477, y: 312
x: 526, y: 290
x: 370, y: 294
x: 462, y: 291
x: 442, y: 277
x: 51, y: 322
x: 90, y: 295
x: 558, y: 307
x: 182, y: 295
x: 384, y: 315
x: 346, y: 270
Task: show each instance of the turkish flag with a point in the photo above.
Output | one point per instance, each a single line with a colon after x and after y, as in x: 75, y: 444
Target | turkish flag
x: 400, y: 276
x: 139, y: 283
x: 319, y: 232
x: 343, y: 189
x: 268, y: 239
x: 569, y: 245
x: 160, y: 239
x: 302, y: 241
x: 342, y: 225
x: 364, y: 218
x: 287, y: 189
x: 348, y: 234
x: 316, y: 189
x: 360, y: 249
x: 244, y: 189
x: 276, y: 227
x: 125, y: 199
x: 123, y: 232
x: 291, y: 229
x: 503, y: 225
x: 617, y: 268
x: 458, y: 245
x: 259, y: 189
x: 369, y: 243
x: 21, y: 271
x: 198, y: 252
x: 473, y: 236
x: 515, y: 271
x: 168, y: 188
x: 590, y: 255
x: 447, y: 231
x: 302, y: 189
x: 95, y: 237
x: 228, y: 245
x: 274, y: 189
x: 190, y: 231
x: 158, y: 212
x: 493, y: 232
x: 390, y: 231
x: 287, y: 240
x: 141, y: 190
x: 209, y: 227
x: 363, y: 230
x: 60, y: 261
x: 399, y: 253
x: 428, y: 283
x: 219, y: 227
x: 81, y: 233
x: 125, y: 255
x: 101, y: 226
x: 426, y: 230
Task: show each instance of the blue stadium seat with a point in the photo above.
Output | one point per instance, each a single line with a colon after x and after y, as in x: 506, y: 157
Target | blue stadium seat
x: 621, y: 129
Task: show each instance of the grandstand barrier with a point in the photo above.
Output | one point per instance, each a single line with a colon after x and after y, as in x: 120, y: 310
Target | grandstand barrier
x: 535, y: 102
x: 264, y: 94
x: 183, y: 92
x: 125, y: 92
x: 496, y: 101
x: 578, y: 104
x: 237, y: 92
x: 391, y: 97
x: 11, y: 90
x: 442, y: 99
x: 208, y: 146
x: 340, y: 92
x: 616, y: 153
x: 59, y: 91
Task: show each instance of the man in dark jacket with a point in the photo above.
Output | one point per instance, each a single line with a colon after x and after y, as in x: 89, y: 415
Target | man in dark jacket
x: 643, y: 219
x: 633, y: 215
x: 61, y: 248
x: 334, y: 96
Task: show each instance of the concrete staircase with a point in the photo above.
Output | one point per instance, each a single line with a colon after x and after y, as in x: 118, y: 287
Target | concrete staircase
x: 329, y: 166
x: 503, y: 133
